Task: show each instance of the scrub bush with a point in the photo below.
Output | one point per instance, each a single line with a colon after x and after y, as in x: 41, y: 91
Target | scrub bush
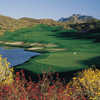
x: 6, y: 73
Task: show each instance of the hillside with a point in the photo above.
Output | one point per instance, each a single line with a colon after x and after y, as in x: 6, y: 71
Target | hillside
x: 11, y: 24
x: 77, y: 18
x: 6, y: 23
x: 93, y: 26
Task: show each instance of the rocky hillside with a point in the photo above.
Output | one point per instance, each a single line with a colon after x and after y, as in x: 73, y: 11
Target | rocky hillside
x: 93, y: 26
x: 77, y: 18
x: 11, y: 24
x: 6, y: 23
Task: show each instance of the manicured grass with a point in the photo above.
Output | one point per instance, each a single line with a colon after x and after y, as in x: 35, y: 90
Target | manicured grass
x: 60, y: 62
x: 85, y: 47
x: 65, y: 59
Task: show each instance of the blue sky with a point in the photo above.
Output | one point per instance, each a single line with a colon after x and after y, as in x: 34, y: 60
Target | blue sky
x: 49, y: 8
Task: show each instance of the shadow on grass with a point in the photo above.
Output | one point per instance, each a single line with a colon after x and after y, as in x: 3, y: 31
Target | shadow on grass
x: 92, y: 62
x: 66, y: 74
x: 64, y: 77
x: 95, y: 37
x: 33, y: 69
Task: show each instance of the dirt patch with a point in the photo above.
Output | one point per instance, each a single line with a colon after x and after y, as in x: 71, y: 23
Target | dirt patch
x: 44, y: 45
x: 56, y: 49
x: 14, y: 43
x: 35, y: 48
x: 36, y: 44
x: 50, y: 45
x: 2, y: 42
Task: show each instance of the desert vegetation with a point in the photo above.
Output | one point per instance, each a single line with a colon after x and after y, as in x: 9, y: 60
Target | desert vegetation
x: 11, y: 24
x: 83, y: 86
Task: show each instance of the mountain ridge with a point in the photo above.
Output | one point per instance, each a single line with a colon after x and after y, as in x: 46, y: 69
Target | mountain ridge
x: 77, y: 18
x: 11, y: 24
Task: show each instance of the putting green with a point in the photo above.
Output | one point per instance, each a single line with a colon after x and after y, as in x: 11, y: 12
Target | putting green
x: 66, y: 59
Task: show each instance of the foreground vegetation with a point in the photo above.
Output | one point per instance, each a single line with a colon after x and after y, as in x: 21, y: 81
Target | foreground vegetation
x: 84, y: 86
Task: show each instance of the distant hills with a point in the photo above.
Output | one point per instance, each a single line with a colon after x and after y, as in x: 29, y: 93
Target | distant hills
x: 6, y: 23
x: 77, y: 18
x: 82, y: 23
x: 12, y: 24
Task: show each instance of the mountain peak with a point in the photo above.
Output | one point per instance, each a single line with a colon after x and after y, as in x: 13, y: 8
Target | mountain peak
x: 77, y: 18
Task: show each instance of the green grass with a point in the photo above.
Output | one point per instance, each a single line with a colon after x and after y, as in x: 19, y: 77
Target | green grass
x: 64, y: 59
x: 58, y: 61
x: 39, y: 33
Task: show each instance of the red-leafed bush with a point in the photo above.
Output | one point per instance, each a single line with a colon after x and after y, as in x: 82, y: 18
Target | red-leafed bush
x: 45, y: 89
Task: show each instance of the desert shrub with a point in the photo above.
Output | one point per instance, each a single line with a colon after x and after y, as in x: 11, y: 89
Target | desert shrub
x: 6, y: 73
x: 45, y: 89
x: 0, y: 28
x: 86, y: 84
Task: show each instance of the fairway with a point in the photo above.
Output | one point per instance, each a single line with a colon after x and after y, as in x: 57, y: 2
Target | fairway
x: 79, y: 51
x: 66, y: 59
x: 60, y: 62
